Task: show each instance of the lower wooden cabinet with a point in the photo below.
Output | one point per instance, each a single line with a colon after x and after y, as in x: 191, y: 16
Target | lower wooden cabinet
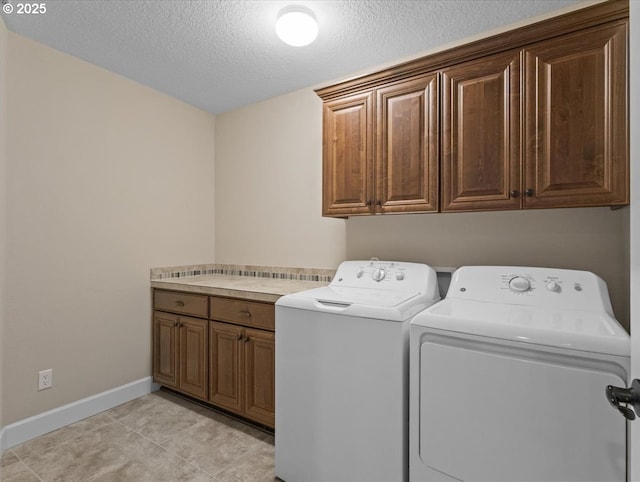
x: 242, y: 371
x: 219, y: 350
x: 180, y: 352
x: 259, y: 376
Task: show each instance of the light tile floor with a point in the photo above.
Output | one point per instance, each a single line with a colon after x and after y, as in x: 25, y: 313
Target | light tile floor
x: 158, y: 437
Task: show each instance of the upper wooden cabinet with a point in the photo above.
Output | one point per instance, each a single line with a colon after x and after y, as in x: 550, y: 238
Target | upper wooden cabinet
x: 481, y: 134
x: 380, y: 151
x: 348, y: 155
x: 406, y: 160
x: 576, y: 119
x: 532, y: 118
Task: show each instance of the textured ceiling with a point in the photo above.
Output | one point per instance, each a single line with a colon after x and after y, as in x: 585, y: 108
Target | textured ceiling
x: 223, y: 54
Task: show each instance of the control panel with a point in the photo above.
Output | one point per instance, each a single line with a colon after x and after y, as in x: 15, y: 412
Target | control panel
x: 390, y: 275
x: 532, y: 286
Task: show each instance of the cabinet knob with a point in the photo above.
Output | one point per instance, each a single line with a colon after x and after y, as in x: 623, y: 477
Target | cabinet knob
x: 528, y: 192
x: 178, y: 324
x: 245, y: 313
x: 369, y: 202
x: 378, y: 202
x: 239, y: 337
x: 179, y: 303
x: 514, y: 193
x: 246, y: 339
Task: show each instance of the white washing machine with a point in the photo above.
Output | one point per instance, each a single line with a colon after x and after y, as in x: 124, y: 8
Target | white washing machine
x: 342, y: 373
x: 508, y: 379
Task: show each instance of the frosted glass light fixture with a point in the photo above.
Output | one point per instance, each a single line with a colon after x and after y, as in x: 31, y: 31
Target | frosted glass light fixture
x: 296, y: 26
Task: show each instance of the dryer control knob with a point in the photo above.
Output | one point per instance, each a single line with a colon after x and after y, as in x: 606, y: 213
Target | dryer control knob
x: 378, y: 274
x: 553, y: 286
x: 519, y: 284
x: 399, y: 275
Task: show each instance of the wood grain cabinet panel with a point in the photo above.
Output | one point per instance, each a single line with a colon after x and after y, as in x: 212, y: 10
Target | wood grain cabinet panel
x: 194, y: 351
x: 401, y: 175
x: 183, y: 303
x: 243, y: 312
x: 348, y: 155
x: 225, y: 365
x: 260, y: 374
x: 576, y: 119
x: 407, y: 146
x: 165, y: 349
x: 180, y: 351
x: 481, y: 134
x: 227, y: 360
x: 242, y: 371
x: 536, y: 117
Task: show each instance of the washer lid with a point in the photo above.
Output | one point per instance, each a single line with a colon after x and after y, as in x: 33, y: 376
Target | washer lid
x: 591, y: 331
x: 366, y: 303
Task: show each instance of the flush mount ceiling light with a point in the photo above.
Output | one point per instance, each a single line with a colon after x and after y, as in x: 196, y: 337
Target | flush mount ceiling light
x: 296, y: 26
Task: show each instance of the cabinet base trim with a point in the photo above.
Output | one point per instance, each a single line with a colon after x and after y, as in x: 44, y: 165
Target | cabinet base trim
x: 268, y: 429
x: 23, y: 430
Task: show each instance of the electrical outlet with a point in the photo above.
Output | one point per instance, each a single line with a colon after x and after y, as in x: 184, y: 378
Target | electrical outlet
x: 45, y: 379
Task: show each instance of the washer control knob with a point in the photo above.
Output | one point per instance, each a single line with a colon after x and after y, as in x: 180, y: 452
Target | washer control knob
x: 553, y: 286
x: 378, y: 274
x: 399, y: 275
x: 360, y: 273
x: 519, y: 284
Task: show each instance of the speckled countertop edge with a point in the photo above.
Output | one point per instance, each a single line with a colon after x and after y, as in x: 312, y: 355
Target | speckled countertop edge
x: 258, y: 283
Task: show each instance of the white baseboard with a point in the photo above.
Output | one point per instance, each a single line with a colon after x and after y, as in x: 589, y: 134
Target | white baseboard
x: 23, y: 430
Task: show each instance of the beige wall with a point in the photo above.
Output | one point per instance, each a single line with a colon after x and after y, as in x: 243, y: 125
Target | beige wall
x: 268, y: 211
x: 592, y: 239
x: 268, y: 186
x: 3, y: 206
x: 106, y: 178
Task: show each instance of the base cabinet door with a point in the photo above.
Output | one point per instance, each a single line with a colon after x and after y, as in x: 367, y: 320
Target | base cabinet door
x: 180, y: 350
x: 165, y: 349
x: 225, y: 364
x: 260, y: 371
x: 194, y: 350
x: 242, y: 371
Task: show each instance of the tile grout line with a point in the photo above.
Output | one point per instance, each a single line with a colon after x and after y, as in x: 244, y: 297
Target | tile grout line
x: 26, y: 465
x: 164, y: 449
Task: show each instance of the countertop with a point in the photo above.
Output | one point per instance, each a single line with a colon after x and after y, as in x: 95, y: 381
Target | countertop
x: 247, y: 287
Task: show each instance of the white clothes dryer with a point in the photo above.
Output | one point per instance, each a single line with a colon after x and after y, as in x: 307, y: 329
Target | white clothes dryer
x: 342, y: 373
x: 508, y: 379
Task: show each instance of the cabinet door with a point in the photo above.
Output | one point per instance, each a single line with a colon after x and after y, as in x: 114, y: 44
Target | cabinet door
x: 259, y: 362
x: 576, y: 119
x: 407, y: 146
x: 481, y: 134
x: 348, y: 156
x: 194, y: 350
x: 225, y: 365
x: 165, y: 356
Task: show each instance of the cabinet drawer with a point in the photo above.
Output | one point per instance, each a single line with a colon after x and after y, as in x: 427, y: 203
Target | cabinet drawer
x: 247, y: 313
x: 183, y: 303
